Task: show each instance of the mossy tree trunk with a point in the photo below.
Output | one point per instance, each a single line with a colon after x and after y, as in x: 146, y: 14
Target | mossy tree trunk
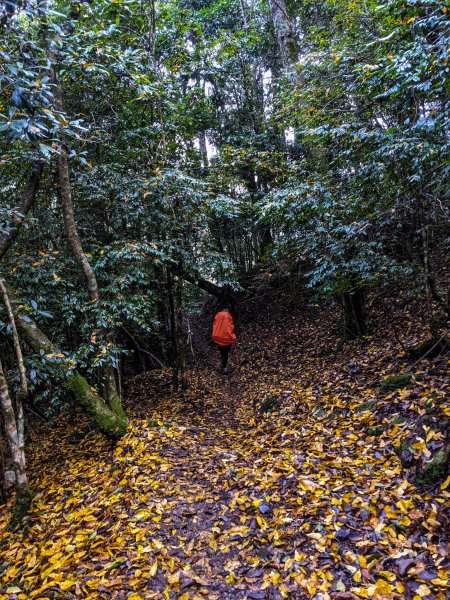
x: 109, y: 416
x: 110, y: 422
x: 107, y: 372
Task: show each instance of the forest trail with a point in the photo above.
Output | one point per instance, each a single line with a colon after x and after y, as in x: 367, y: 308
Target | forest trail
x: 307, y: 500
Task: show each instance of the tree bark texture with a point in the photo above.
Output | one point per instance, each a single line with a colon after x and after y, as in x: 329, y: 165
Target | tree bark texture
x: 16, y: 341
x: 284, y: 33
x: 71, y: 227
x: 15, y: 441
x: 23, y: 393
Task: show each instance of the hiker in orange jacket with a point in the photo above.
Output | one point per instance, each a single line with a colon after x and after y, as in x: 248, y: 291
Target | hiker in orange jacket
x: 224, y: 336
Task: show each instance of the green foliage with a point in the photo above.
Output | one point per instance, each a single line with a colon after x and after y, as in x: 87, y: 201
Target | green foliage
x: 189, y: 148
x: 370, y: 121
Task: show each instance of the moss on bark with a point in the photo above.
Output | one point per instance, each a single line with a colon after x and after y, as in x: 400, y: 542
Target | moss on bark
x: 21, y: 507
x: 436, y: 469
x: 109, y: 418
x: 395, y: 382
x: 112, y: 424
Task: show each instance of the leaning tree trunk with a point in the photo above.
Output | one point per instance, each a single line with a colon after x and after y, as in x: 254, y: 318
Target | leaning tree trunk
x: 23, y: 393
x: 17, y: 450
x: 111, y: 419
x: 111, y: 422
x: 107, y: 373
x: 15, y: 420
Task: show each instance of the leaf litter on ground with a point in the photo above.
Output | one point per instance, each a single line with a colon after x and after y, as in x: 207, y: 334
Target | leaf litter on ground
x: 308, y: 500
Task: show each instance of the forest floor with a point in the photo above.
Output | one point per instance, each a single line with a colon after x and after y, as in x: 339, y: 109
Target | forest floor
x: 224, y: 501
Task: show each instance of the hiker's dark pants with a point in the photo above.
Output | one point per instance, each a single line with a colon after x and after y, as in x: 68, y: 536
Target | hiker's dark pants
x: 224, y: 353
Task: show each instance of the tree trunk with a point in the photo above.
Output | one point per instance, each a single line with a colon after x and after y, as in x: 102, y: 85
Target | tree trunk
x: 26, y: 201
x: 107, y: 373
x: 181, y: 351
x: 71, y: 227
x: 21, y: 504
x: 223, y: 293
x: 430, y: 283
x: 112, y: 393
x: 16, y: 341
x: 285, y: 34
x: 108, y: 417
x: 16, y: 449
x: 266, y: 239
x: 173, y: 333
x: 354, y: 314
x: 203, y: 149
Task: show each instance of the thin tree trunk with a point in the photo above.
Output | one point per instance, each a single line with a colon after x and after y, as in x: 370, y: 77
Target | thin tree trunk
x: 288, y: 47
x: 173, y: 333
x: 107, y: 373
x: 244, y: 16
x: 71, y: 227
x: 17, y: 450
x: 354, y: 314
x: 15, y: 335
x: 26, y: 201
x: 23, y: 393
x: 203, y: 149
x: 181, y: 353
x: 430, y: 284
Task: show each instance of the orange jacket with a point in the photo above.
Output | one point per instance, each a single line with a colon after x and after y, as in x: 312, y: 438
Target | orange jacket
x: 223, y: 329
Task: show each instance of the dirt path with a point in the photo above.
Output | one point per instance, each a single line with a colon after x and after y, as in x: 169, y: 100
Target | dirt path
x: 194, y: 483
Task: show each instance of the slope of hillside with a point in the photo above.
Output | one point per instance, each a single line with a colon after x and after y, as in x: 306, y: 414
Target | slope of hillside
x: 291, y: 478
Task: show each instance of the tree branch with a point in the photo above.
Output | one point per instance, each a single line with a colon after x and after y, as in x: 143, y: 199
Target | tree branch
x: 25, y: 203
